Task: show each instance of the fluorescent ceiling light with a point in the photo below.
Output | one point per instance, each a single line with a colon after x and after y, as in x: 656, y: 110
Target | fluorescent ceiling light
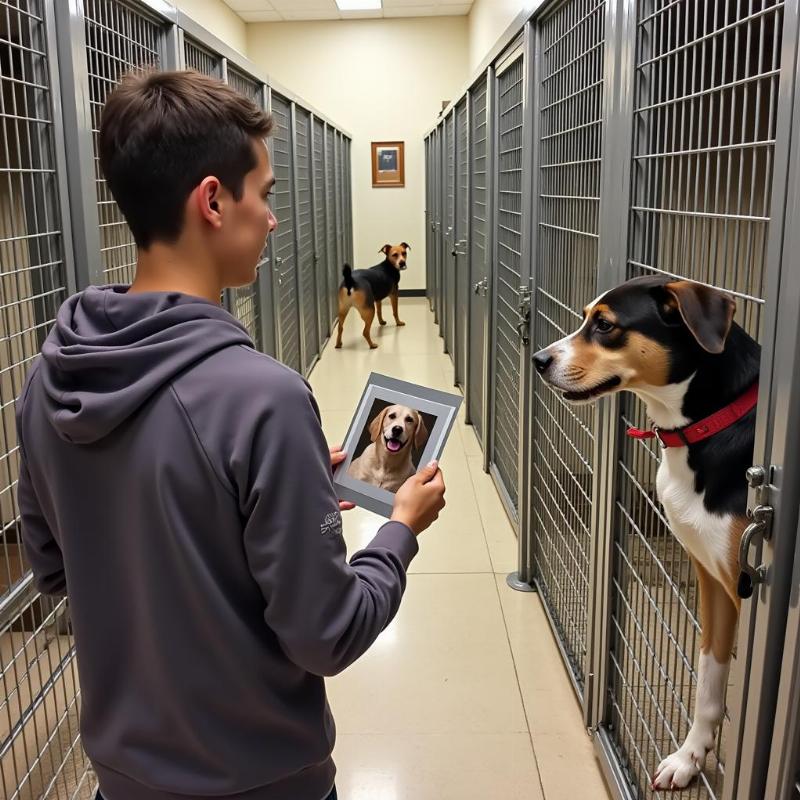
x: 359, y: 5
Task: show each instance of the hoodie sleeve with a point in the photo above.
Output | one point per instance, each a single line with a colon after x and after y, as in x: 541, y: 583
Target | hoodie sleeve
x: 325, y: 611
x: 41, y: 548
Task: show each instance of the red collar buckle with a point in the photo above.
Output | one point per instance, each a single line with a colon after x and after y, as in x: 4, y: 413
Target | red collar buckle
x: 705, y: 428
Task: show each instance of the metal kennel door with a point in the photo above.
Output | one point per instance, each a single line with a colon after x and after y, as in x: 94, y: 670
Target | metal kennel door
x: 479, y: 264
x: 244, y: 301
x: 120, y: 37
x: 348, y: 198
x: 284, y: 266
x: 570, y: 108
x: 40, y: 746
x: 439, y: 152
x: 325, y: 310
x: 338, y: 199
x: 334, y: 271
x: 461, y: 245
x: 508, y: 294
x: 305, y: 237
x: 449, y: 265
x: 705, y: 101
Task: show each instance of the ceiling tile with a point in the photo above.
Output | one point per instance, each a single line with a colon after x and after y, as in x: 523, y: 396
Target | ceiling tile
x: 410, y: 11
x: 291, y: 16
x: 453, y: 10
x: 304, y: 5
x: 362, y: 14
x: 250, y: 5
x: 260, y: 16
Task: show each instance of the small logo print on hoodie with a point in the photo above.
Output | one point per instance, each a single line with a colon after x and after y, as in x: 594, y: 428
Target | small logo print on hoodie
x: 332, y: 524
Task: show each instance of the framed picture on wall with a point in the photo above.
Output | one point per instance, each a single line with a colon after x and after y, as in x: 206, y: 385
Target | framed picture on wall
x: 388, y: 164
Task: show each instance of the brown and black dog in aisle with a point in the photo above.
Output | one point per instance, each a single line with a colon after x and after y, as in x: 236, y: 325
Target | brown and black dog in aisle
x: 365, y: 289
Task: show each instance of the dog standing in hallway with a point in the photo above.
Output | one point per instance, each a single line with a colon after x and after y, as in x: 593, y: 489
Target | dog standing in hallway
x: 367, y: 288
x: 674, y: 344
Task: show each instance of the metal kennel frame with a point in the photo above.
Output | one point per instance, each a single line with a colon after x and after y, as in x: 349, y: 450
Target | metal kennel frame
x: 662, y: 139
x: 60, y: 231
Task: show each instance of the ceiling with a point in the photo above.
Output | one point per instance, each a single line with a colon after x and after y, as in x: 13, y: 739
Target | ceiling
x: 292, y: 10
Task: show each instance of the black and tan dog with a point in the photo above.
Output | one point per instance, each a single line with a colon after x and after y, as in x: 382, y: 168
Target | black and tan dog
x: 367, y: 288
x: 674, y: 344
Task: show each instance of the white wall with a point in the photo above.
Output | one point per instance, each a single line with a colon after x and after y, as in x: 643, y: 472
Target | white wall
x: 488, y: 21
x: 219, y: 19
x: 379, y: 80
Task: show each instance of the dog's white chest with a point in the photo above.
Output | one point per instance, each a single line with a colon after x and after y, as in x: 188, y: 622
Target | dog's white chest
x: 704, y: 535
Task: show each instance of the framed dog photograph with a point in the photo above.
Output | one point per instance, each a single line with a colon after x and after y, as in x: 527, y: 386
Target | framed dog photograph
x: 388, y: 164
x: 398, y: 427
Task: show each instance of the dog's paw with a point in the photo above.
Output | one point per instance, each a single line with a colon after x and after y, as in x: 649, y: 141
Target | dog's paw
x: 339, y: 346
x: 382, y: 321
x: 400, y: 324
x: 677, y: 770
x: 373, y: 347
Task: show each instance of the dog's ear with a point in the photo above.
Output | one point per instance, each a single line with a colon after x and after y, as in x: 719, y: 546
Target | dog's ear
x: 376, y: 426
x: 421, y: 434
x: 406, y: 245
x: 385, y: 249
x: 706, y: 312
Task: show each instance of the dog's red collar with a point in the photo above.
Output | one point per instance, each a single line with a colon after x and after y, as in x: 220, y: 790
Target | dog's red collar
x: 706, y: 428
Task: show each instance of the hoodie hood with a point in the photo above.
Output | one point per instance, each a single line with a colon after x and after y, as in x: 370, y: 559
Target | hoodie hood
x: 110, y: 352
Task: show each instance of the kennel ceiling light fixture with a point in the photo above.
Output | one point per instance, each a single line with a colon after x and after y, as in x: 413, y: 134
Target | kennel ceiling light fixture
x: 359, y: 5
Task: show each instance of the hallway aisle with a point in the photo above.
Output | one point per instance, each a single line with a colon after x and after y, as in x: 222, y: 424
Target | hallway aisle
x: 464, y: 696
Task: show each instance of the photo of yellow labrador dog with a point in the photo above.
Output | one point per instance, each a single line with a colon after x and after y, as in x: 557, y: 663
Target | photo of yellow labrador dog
x: 396, y: 434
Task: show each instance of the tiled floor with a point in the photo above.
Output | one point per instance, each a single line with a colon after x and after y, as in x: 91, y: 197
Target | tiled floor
x: 464, y: 695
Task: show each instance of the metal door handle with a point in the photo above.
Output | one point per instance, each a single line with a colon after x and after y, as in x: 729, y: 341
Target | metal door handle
x: 762, y: 518
x: 482, y: 287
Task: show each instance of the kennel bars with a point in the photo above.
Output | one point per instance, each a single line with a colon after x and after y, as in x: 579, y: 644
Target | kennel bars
x: 660, y: 136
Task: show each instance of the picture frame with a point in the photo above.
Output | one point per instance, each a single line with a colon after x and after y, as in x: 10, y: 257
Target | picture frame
x: 434, y: 409
x: 388, y: 165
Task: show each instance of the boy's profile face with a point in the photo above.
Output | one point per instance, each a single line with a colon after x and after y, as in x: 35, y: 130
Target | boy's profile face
x: 247, y: 223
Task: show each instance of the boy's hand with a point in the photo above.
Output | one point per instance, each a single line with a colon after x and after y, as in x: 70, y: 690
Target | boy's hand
x: 337, y: 456
x: 420, y: 499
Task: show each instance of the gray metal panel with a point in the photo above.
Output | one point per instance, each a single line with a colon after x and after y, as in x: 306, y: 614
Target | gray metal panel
x: 40, y: 743
x: 334, y: 271
x: 702, y: 171
x: 244, y: 301
x: 461, y: 244
x: 570, y: 147
x: 119, y: 38
x: 479, y: 222
x: 323, y: 295
x: 507, y: 281
x: 449, y: 305
x: 284, y: 259
x: 305, y: 238
x: 337, y: 197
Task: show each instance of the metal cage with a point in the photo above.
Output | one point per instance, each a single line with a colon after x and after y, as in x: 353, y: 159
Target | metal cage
x: 305, y: 237
x: 508, y: 224
x: 284, y: 257
x: 570, y: 107
x: 324, y: 297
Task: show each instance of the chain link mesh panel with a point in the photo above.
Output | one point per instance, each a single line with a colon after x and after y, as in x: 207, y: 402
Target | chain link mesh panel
x: 119, y: 38
x: 40, y: 752
x: 305, y: 237
x: 508, y: 232
x: 283, y: 245
x: 478, y: 266
x: 706, y: 92
x: 570, y: 147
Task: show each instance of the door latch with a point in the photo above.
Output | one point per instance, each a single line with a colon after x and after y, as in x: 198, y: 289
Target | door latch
x: 524, y: 310
x: 759, y: 527
x: 460, y: 243
x: 482, y: 287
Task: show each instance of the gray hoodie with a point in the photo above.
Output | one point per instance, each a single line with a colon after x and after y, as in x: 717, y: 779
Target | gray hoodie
x: 176, y: 485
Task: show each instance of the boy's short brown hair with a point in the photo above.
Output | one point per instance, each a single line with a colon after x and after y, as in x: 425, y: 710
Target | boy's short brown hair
x: 163, y: 132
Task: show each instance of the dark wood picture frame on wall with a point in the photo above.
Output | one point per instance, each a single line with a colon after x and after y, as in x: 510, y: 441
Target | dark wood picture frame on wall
x: 388, y: 165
